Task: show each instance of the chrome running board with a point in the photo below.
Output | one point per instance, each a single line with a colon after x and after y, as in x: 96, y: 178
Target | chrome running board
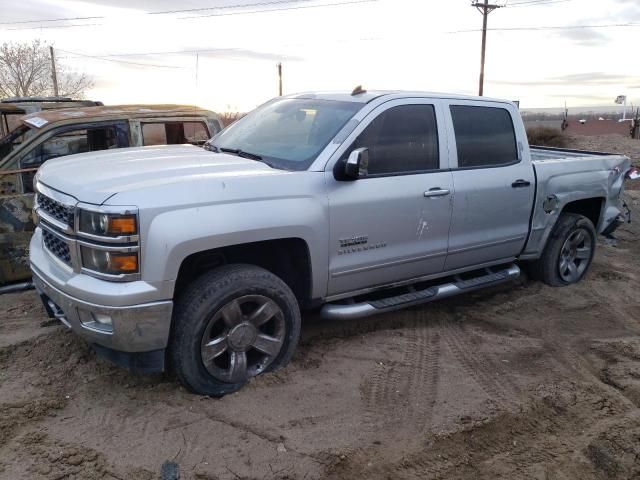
x: 349, y: 311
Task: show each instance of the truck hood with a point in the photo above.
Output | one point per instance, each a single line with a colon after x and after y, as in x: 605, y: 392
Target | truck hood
x: 96, y: 176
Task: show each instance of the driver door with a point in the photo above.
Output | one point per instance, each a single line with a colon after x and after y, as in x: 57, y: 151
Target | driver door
x: 392, y: 224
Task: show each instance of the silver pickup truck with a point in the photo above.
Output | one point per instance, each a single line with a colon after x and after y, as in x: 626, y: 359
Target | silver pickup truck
x: 357, y: 203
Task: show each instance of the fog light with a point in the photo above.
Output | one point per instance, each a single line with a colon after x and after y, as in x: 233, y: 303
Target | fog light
x: 98, y: 322
x: 102, y: 319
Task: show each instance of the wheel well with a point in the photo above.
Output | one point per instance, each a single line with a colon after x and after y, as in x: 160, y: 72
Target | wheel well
x: 589, y: 207
x: 288, y: 258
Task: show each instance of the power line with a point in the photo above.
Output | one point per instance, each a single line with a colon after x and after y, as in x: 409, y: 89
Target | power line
x: 98, y: 57
x: 68, y: 19
x: 223, y: 7
x: 301, y: 7
x: 56, y: 26
x: 535, y: 4
x: 556, y: 27
x: 186, y: 10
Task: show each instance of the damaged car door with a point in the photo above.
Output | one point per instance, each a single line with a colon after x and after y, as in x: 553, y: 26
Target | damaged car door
x: 16, y: 186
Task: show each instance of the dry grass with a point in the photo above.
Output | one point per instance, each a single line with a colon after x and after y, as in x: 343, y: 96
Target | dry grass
x: 547, y: 137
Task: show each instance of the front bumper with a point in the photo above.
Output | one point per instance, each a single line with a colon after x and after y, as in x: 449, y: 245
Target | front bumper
x: 137, y: 328
x: 113, y: 317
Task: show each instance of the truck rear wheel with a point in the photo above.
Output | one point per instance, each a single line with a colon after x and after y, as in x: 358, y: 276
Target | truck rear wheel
x: 231, y: 324
x: 568, y: 253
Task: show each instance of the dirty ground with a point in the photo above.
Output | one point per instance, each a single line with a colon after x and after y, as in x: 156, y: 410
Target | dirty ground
x: 520, y: 381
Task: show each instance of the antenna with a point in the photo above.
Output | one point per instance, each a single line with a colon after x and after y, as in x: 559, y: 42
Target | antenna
x: 358, y: 90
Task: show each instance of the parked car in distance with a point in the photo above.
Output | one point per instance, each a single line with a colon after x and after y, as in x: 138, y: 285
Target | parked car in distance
x: 356, y: 204
x: 52, y: 134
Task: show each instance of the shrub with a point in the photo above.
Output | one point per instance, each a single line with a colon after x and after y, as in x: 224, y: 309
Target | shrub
x: 229, y: 117
x: 546, y: 137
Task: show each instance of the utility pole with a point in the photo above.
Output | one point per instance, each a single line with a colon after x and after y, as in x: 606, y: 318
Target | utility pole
x: 54, y: 76
x: 485, y: 9
x: 280, y: 78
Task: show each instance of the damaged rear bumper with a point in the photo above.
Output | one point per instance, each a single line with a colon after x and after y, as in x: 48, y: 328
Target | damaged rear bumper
x: 621, y: 219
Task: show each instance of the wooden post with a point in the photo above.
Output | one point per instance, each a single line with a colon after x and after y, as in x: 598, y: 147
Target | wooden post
x: 54, y: 76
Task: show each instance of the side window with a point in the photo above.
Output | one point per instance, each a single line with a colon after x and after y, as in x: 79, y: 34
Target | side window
x: 174, y: 133
x: 403, y: 139
x: 196, y: 132
x: 484, y: 136
x: 67, y: 143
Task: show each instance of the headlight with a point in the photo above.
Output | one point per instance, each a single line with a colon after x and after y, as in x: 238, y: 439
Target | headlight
x: 107, y: 224
x: 109, y: 262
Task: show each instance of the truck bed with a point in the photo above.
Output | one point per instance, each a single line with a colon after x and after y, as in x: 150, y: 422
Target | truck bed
x: 540, y: 154
x: 564, y: 176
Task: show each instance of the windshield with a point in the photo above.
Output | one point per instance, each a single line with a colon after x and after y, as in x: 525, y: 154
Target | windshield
x: 286, y: 133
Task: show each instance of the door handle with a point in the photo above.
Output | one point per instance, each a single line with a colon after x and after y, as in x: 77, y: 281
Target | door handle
x: 436, y: 192
x: 520, y: 183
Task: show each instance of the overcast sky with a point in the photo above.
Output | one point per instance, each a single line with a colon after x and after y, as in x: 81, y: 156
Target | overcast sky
x: 335, y: 45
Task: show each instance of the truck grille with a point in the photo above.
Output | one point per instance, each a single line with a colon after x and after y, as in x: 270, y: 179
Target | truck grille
x: 55, y: 209
x: 57, y: 246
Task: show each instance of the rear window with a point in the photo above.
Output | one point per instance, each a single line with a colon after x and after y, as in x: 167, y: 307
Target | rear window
x: 484, y: 136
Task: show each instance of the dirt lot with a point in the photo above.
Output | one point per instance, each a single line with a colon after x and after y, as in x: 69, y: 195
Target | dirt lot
x: 521, y: 381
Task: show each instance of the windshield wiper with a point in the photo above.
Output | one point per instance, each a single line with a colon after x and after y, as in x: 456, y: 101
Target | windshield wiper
x: 240, y: 153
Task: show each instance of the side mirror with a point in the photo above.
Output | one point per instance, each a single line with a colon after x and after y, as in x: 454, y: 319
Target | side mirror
x: 357, y: 165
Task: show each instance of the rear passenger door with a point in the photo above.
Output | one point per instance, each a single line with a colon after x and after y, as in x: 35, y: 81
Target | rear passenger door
x: 392, y: 224
x: 494, y: 187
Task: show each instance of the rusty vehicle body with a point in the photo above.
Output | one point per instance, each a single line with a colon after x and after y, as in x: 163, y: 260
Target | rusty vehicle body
x: 13, y: 108
x: 49, y: 134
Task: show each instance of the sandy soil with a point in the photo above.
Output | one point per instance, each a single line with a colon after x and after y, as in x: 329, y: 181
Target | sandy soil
x: 520, y: 381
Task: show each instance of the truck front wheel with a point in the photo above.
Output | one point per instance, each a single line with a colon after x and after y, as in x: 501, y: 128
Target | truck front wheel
x: 568, y: 253
x: 231, y: 324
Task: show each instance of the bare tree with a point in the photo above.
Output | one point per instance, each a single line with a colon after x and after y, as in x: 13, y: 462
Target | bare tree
x: 25, y: 70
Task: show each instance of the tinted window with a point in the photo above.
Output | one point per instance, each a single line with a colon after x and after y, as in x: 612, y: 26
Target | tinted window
x: 484, y: 136
x: 400, y: 140
x: 174, y: 133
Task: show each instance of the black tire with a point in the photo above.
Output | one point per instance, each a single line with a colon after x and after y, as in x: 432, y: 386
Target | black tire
x: 548, y: 267
x: 205, y: 305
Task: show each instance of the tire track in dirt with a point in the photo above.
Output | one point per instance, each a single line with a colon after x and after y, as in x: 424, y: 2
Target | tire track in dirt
x: 488, y: 373
x: 555, y: 434
x: 403, y: 393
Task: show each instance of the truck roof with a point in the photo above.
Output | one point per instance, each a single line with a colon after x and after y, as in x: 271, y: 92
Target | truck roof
x: 47, y: 117
x: 370, y: 95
